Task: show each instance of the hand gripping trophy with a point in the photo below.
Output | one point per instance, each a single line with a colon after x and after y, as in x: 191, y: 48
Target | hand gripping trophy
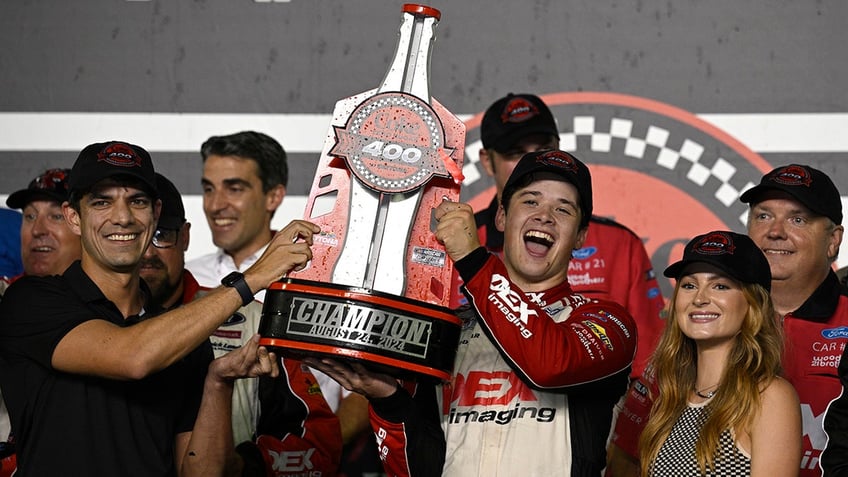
x: 378, y: 286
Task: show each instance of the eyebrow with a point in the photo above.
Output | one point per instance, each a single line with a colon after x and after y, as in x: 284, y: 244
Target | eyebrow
x: 537, y: 193
x: 228, y: 182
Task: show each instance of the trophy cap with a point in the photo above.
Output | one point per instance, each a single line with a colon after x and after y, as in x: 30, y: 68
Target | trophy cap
x: 417, y: 9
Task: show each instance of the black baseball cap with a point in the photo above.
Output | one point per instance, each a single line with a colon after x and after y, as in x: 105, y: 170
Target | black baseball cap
x: 514, y: 117
x: 104, y: 160
x: 811, y: 187
x: 51, y: 184
x: 734, y: 254
x: 173, y: 212
x: 559, y: 163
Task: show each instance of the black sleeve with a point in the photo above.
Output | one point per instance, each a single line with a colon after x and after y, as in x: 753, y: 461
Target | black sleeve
x: 834, y: 457
x: 409, y: 434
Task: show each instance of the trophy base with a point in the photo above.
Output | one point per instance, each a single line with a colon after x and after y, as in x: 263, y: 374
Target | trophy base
x: 387, y: 333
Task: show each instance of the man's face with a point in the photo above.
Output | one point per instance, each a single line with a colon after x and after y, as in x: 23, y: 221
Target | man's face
x: 48, y: 245
x: 541, y: 228
x: 115, y: 224
x: 798, y: 244
x: 236, y: 208
x: 162, y: 267
x: 499, y: 165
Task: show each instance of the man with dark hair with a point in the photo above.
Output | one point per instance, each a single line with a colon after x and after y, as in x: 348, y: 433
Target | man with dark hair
x: 91, y: 374
x: 795, y: 217
x: 244, y: 181
x: 612, y: 263
x: 290, y: 417
x: 538, y: 368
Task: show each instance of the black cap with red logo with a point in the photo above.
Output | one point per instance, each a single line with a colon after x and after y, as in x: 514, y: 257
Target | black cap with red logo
x: 734, y: 254
x: 113, y: 159
x: 51, y: 184
x: 558, y: 163
x: 811, y: 187
x: 514, y: 117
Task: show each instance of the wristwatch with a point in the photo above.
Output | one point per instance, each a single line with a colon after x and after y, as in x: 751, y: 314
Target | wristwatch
x: 236, y: 280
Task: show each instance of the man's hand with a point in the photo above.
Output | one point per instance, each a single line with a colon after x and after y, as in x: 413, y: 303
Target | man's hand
x: 457, y: 230
x: 355, y: 377
x: 249, y: 361
x: 288, y: 251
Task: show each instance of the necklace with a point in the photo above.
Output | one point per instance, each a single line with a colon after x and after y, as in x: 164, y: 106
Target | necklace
x: 707, y: 395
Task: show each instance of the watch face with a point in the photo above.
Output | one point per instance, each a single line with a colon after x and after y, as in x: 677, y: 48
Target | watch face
x: 231, y: 279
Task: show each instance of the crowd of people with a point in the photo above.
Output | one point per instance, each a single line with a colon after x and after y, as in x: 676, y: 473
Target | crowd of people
x: 123, y: 359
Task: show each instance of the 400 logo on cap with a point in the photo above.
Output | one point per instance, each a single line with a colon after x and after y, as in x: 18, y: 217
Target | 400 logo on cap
x: 394, y: 142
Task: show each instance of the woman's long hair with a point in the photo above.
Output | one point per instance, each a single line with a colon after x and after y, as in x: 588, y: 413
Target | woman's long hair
x: 753, y: 362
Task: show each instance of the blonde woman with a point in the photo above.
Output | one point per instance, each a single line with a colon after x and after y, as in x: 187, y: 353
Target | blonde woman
x: 721, y: 408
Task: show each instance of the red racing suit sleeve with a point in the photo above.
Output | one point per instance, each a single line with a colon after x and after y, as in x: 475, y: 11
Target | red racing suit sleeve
x: 634, y: 413
x: 552, y: 345
x: 297, y: 432
x: 407, y: 427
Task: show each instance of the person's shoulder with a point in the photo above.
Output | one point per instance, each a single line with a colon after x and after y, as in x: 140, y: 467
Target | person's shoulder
x: 609, y: 225
x: 779, y: 393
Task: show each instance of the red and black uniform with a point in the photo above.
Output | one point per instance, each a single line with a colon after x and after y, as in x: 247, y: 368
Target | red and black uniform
x: 815, y: 337
x: 283, y: 426
x: 534, y: 384
x: 612, y: 265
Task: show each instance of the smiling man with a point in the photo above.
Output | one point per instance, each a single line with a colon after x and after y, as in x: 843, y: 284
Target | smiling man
x: 539, y: 367
x: 244, y: 181
x: 93, y: 373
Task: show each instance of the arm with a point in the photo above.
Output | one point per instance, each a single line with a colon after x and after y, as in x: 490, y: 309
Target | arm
x: 623, y: 449
x: 208, y: 449
x: 776, y: 432
x: 405, y: 419
x: 100, y: 348
x: 834, y: 457
x: 581, y: 342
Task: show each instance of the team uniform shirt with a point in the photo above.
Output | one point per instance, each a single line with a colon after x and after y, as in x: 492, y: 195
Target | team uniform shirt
x: 677, y: 454
x: 834, y: 458
x: 209, y: 269
x: 286, y: 417
x: 612, y: 265
x: 68, y: 424
x: 815, y: 338
x: 534, y: 382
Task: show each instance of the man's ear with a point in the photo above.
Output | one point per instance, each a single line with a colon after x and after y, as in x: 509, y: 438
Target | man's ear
x: 274, y: 197
x: 185, y: 235
x: 581, y: 237
x: 486, y: 159
x: 500, y: 218
x: 72, y: 218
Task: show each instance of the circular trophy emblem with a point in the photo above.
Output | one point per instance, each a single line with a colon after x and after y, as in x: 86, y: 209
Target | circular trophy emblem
x: 393, y: 143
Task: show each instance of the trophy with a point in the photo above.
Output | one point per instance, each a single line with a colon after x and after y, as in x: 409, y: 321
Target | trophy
x: 379, y: 283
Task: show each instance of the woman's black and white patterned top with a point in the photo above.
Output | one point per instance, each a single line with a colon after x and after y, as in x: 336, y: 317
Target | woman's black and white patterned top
x: 677, y: 455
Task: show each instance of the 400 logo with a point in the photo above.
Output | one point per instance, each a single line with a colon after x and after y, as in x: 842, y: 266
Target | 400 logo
x: 661, y: 171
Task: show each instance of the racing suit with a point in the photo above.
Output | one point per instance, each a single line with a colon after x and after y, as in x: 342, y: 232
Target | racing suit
x: 296, y: 431
x: 815, y: 335
x: 534, y: 383
x: 612, y: 265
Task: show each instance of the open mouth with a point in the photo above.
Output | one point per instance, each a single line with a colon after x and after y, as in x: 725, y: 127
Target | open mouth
x: 122, y: 237
x: 222, y: 222
x: 538, y: 243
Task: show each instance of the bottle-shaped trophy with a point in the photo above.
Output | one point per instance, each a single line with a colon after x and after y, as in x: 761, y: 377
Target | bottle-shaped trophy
x: 378, y: 286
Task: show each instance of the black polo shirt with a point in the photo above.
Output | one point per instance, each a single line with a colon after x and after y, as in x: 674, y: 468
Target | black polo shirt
x: 69, y: 424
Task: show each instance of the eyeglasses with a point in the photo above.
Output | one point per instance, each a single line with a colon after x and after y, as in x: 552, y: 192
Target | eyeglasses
x: 165, y: 238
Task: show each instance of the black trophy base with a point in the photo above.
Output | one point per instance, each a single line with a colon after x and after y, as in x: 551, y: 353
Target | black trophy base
x: 387, y: 333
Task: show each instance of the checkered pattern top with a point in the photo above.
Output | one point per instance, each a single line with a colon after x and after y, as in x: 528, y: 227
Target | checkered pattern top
x: 677, y: 455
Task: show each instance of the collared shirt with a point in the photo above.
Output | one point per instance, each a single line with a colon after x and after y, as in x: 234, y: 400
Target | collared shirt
x: 209, y: 269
